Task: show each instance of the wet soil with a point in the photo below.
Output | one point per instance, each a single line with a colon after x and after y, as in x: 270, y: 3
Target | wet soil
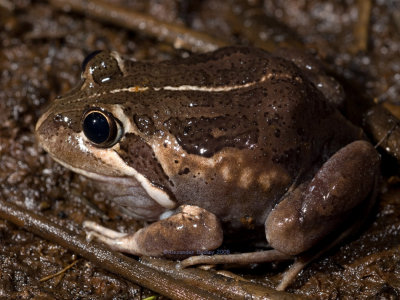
x: 40, y: 55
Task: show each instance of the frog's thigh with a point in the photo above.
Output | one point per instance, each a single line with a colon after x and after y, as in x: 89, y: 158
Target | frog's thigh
x: 189, y: 230
x: 342, y: 189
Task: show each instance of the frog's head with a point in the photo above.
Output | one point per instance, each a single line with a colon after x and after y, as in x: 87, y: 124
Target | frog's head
x: 83, y: 129
x: 84, y: 139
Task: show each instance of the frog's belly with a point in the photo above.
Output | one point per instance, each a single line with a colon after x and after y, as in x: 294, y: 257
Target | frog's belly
x: 133, y: 200
x: 242, y: 197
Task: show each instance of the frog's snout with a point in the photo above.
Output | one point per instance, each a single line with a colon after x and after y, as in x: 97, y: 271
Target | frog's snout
x: 47, y: 131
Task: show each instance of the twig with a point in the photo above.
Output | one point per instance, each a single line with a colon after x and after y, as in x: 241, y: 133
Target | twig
x: 109, y: 260
x: 179, y: 36
x: 383, y: 127
x: 232, y: 288
x: 158, y: 275
x: 59, y: 272
x: 361, y: 28
x: 7, y: 5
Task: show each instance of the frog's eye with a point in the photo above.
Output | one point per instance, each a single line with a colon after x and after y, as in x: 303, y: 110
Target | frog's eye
x: 101, y: 67
x: 88, y: 59
x: 101, y: 128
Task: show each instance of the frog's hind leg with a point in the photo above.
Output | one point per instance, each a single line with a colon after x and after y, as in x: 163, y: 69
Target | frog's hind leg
x: 337, y: 199
x: 304, y: 259
x: 343, y: 190
x: 305, y: 223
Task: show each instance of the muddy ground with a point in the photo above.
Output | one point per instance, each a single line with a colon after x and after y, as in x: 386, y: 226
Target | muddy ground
x: 40, y: 55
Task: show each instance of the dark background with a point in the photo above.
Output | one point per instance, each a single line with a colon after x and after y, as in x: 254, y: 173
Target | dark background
x: 40, y: 55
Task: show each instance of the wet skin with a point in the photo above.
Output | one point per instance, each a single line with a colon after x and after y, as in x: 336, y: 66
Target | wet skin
x: 214, y: 144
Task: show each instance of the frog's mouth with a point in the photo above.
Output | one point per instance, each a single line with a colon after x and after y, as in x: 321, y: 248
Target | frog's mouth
x: 98, y: 177
x: 131, y: 179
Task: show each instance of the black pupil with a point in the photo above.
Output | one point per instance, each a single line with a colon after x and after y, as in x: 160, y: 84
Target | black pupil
x: 96, y: 128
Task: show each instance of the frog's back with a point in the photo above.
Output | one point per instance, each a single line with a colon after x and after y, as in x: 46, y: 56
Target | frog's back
x: 238, y: 124
x: 229, y: 131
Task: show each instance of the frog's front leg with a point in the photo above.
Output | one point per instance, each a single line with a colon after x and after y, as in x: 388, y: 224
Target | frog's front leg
x: 189, y: 230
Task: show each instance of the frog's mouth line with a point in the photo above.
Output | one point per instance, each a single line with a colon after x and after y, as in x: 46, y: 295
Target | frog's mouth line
x: 95, y: 176
x: 155, y: 193
x: 42, y: 119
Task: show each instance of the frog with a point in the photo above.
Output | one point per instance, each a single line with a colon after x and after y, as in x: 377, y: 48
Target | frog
x: 218, y: 144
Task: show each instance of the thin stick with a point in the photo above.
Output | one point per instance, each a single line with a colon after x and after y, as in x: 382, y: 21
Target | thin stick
x: 109, y: 260
x: 179, y: 36
x: 382, y: 125
x: 59, y: 272
x: 7, y: 5
x: 232, y: 288
x: 361, y: 28
x: 158, y: 275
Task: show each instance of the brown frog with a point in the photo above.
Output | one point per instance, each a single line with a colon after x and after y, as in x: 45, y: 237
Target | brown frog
x: 218, y: 143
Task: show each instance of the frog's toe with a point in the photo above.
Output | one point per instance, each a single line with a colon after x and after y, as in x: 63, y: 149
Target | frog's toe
x: 240, y: 258
x: 251, y: 258
x: 93, y: 227
x: 118, y: 241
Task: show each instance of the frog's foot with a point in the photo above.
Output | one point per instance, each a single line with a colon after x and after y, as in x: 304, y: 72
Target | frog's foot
x: 303, y: 260
x: 95, y: 230
x: 241, y: 258
x: 189, y: 231
x: 116, y: 240
x: 251, y: 258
